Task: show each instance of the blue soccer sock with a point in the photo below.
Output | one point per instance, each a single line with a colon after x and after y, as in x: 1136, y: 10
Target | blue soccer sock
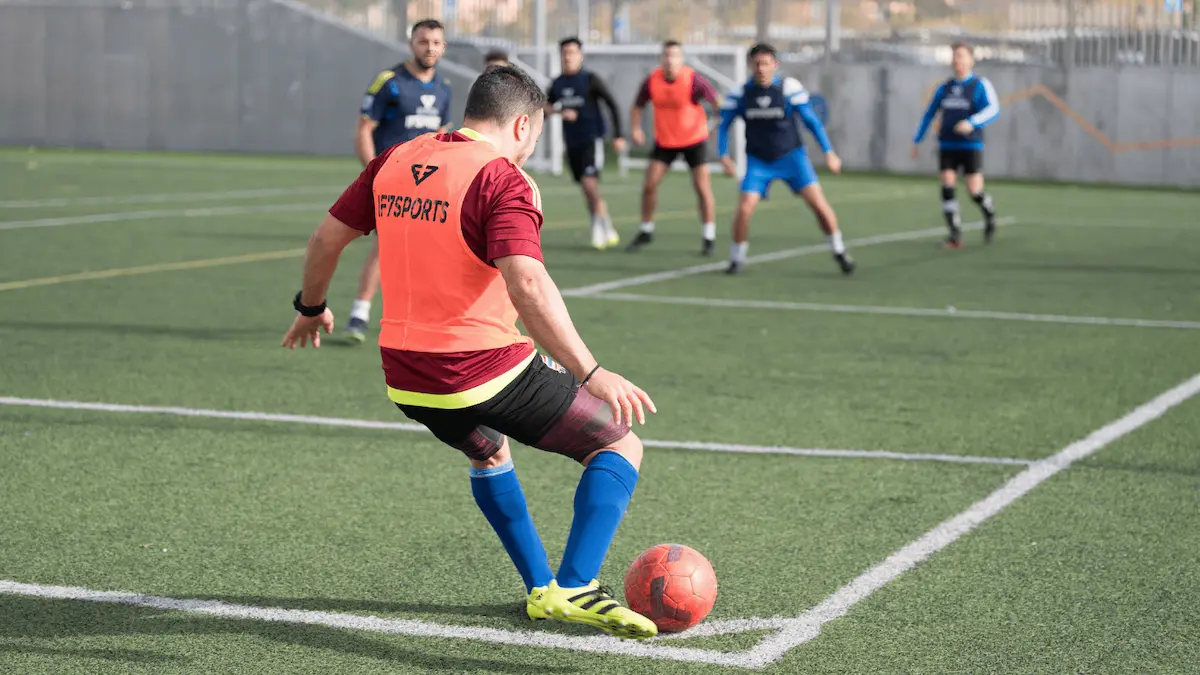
x: 600, y: 500
x: 498, y: 494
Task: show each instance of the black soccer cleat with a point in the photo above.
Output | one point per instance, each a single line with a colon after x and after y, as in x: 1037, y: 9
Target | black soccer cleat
x: 734, y: 267
x: 845, y: 262
x: 642, y: 239
x: 706, y: 249
x: 989, y: 229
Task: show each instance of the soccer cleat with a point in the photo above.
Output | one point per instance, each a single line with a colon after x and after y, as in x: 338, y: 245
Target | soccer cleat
x: 590, y: 605
x: 642, y: 239
x: 989, y: 229
x: 707, y: 247
x: 599, y: 237
x: 611, y: 232
x: 845, y: 262
x: 356, y: 330
x: 953, y: 241
x: 734, y: 267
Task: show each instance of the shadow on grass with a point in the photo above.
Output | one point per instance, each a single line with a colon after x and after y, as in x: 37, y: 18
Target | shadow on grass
x: 30, y: 618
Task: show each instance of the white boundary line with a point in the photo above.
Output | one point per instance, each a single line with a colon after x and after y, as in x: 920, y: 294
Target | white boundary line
x: 406, y: 426
x: 808, y: 625
x: 125, y: 216
x: 785, y: 254
x: 413, y: 627
x: 893, y: 311
x: 791, y: 633
x: 165, y: 198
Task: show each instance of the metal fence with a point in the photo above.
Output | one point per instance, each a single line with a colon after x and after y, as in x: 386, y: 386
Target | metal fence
x: 1048, y: 32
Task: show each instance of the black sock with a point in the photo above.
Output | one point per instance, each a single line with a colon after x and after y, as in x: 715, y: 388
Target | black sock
x: 950, y: 210
x: 984, y: 200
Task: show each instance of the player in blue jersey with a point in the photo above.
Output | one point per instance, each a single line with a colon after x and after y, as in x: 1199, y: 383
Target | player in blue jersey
x: 967, y: 103
x: 403, y: 102
x: 773, y: 108
x: 576, y: 94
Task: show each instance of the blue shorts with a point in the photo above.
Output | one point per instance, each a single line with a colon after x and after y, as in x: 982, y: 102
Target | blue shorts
x: 794, y: 168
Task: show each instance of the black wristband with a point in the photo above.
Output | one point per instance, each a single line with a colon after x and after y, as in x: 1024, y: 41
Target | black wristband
x: 589, y: 375
x: 305, y: 310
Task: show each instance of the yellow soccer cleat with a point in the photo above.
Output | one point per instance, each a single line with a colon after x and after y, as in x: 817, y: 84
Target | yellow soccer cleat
x: 591, y: 605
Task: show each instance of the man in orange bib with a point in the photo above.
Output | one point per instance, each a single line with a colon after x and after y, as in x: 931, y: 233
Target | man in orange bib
x: 680, y: 128
x: 458, y: 224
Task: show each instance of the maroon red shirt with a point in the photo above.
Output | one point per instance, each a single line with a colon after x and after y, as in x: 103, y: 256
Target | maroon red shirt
x: 500, y: 217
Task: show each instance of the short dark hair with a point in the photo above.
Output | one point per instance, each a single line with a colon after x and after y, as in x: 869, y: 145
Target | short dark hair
x: 503, y: 93
x: 496, y: 55
x: 570, y: 41
x: 672, y: 43
x: 962, y: 45
x: 429, y: 24
x: 763, y: 48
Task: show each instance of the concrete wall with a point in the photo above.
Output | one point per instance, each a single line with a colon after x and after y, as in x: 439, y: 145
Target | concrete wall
x: 271, y: 76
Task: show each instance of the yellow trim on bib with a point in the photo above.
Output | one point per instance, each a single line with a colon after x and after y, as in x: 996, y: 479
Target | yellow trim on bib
x: 463, y: 399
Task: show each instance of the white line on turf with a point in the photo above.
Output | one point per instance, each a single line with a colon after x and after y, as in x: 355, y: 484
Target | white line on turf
x: 791, y: 632
x: 405, y: 426
x: 167, y: 198
x: 412, y: 627
x: 785, y: 254
x: 895, y: 311
x: 163, y: 213
x: 808, y: 625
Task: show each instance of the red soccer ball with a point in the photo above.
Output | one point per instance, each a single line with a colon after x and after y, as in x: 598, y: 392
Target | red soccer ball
x: 672, y: 585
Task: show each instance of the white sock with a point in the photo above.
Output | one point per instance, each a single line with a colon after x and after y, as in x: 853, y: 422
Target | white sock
x: 835, y: 243
x: 647, y: 227
x: 710, y: 231
x: 361, y: 310
x: 737, y: 252
x: 608, y: 226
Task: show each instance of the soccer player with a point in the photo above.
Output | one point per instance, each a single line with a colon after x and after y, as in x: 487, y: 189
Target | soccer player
x: 495, y: 57
x: 402, y: 103
x: 773, y: 108
x: 680, y: 128
x: 967, y: 103
x: 576, y: 94
x: 457, y: 222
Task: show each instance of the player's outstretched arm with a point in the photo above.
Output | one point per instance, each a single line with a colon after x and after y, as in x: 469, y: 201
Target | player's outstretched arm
x: 320, y: 260
x: 542, y: 310
x: 636, y: 134
x: 930, y: 113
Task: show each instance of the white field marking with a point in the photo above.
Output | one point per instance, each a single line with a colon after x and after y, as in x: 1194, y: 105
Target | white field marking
x: 167, y: 198
x: 785, y: 254
x: 894, y: 311
x: 160, y: 198
x: 791, y: 632
x: 163, y: 213
x: 808, y: 625
x: 406, y: 426
x: 598, y: 644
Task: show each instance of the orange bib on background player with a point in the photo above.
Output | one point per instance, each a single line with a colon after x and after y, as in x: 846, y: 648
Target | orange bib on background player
x: 438, y: 296
x: 679, y: 122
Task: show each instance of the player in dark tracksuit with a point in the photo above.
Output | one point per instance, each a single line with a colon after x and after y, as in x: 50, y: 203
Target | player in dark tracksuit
x: 967, y: 103
x: 576, y: 94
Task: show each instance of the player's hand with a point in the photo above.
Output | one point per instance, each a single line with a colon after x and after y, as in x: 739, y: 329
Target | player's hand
x: 628, y: 402
x: 833, y: 162
x: 729, y: 166
x: 306, y: 328
x: 619, y: 144
x: 570, y: 114
x: 964, y: 127
x: 639, y: 137
x: 916, y: 151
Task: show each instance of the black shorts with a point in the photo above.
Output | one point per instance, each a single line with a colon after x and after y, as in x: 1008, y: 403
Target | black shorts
x: 544, y: 408
x: 966, y: 161
x: 586, y: 160
x: 694, y: 155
